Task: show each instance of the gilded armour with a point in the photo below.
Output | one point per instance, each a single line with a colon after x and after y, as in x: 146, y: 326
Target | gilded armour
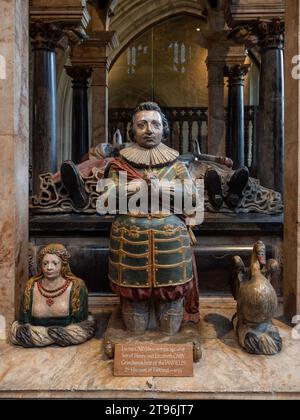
x: 151, y: 251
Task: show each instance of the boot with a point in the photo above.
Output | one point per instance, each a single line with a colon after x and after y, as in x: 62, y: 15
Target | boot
x: 170, y: 315
x: 236, y: 184
x: 213, y: 186
x: 73, y: 183
x: 135, y: 315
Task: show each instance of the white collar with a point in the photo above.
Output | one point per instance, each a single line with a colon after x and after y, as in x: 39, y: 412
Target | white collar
x: 157, y: 156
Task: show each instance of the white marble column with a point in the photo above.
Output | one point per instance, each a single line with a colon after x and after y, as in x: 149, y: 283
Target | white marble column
x: 291, y: 244
x: 14, y: 139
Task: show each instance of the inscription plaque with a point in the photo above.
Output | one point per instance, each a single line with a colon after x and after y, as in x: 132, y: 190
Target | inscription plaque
x: 148, y: 359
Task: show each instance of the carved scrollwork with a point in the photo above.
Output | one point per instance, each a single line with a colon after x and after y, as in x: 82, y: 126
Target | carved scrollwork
x: 256, y: 199
x: 54, y: 198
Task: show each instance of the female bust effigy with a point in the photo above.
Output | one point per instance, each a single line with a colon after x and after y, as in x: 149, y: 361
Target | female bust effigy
x: 54, y: 306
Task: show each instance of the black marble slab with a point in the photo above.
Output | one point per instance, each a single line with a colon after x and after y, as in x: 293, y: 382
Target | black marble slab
x: 219, y: 238
x: 82, y: 224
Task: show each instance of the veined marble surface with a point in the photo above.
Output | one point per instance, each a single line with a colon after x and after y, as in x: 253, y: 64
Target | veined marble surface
x: 14, y: 140
x: 225, y: 371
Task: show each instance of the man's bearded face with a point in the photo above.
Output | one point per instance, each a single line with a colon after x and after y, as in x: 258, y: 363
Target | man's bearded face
x: 147, y: 128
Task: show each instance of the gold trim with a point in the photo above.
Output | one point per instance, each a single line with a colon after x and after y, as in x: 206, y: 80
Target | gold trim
x: 157, y: 240
x: 152, y: 276
x: 129, y: 254
x: 182, y: 263
x: 167, y: 230
x: 143, y: 286
x: 159, y: 171
x: 167, y: 172
x: 171, y: 251
x: 132, y: 267
x: 75, y: 293
x: 176, y: 238
x: 150, y: 215
x: 120, y: 274
x: 173, y: 283
x: 128, y: 241
x: 180, y: 169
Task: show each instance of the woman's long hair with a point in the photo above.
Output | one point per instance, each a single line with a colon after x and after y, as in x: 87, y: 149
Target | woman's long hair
x: 60, y: 251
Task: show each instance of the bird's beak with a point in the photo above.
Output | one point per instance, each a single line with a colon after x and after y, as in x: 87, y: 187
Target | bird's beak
x: 262, y: 259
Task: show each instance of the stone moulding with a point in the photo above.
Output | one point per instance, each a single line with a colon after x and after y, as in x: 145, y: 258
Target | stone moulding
x: 250, y: 10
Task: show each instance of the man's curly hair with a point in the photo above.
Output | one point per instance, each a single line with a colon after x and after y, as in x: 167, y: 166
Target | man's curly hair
x: 149, y: 106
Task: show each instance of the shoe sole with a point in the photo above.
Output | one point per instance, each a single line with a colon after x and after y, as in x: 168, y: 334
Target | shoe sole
x: 73, y: 184
x: 212, y: 182
x: 238, y: 182
x: 213, y: 186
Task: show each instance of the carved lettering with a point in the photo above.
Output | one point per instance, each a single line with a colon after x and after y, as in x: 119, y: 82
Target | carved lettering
x: 139, y: 359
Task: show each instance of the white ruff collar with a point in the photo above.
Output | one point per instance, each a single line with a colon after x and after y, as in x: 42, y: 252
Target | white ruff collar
x: 157, y: 156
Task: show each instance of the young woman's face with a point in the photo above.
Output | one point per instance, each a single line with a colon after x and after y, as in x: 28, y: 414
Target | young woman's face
x: 51, y: 266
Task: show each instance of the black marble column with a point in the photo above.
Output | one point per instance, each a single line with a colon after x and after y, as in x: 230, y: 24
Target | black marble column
x: 271, y: 106
x: 80, y: 121
x: 44, y: 122
x: 235, y: 131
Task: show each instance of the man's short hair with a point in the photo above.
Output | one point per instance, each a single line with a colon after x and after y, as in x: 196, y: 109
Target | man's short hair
x: 149, y: 106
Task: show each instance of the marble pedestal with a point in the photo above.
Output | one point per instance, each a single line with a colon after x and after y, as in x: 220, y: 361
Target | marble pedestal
x: 225, y: 371
x: 116, y: 333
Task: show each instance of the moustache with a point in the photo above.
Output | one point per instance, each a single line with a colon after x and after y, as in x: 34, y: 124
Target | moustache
x: 149, y: 137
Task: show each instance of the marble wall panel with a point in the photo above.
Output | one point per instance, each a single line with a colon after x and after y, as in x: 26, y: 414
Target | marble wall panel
x: 292, y: 161
x: 13, y: 156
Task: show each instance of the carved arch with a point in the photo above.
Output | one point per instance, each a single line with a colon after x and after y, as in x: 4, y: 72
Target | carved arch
x: 133, y: 17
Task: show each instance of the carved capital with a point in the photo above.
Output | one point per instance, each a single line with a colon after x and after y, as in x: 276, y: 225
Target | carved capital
x: 71, y: 12
x: 73, y: 17
x: 270, y: 34
x: 266, y: 34
x: 79, y: 75
x: 45, y: 36
x: 236, y: 74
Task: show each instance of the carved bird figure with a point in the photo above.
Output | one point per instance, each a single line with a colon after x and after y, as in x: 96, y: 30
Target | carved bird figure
x: 256, y: 303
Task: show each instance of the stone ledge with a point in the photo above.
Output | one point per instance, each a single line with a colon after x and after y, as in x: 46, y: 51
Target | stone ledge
x: 225, y: 371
